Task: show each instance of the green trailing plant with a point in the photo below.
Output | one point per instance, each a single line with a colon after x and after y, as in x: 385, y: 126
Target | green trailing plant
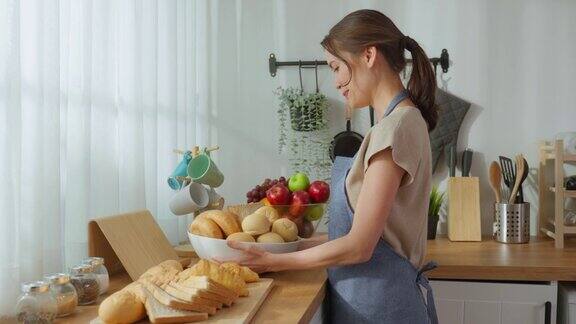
x: 436, y: 200
x: 303, y: 131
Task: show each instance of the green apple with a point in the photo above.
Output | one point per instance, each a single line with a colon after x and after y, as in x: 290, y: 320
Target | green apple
x: 298, y: 181
x: 314, y: 212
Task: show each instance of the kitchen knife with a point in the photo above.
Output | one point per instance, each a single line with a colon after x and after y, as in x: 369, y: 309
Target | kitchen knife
x: 466, y: 162
x: 452, y: 161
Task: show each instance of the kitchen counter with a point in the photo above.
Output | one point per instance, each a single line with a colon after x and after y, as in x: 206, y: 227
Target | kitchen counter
x: 490, y: 260
x: 295, y: 297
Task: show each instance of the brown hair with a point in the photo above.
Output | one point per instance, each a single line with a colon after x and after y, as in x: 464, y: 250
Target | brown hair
x: 364, y: 28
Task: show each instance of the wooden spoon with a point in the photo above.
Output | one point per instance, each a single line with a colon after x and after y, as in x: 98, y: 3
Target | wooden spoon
x: 495, y: 175
x: 519, y: 173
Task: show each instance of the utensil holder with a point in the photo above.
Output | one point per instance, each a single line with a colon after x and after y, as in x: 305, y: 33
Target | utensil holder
x: 512, y: 223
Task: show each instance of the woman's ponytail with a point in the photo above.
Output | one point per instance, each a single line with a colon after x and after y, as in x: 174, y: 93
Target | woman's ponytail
x: 422, y: 83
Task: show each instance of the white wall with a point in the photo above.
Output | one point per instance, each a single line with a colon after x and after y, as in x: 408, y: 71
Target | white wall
x: 514, y: 60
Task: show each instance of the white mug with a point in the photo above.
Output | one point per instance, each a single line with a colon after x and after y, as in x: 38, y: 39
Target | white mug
x: 191, y: 198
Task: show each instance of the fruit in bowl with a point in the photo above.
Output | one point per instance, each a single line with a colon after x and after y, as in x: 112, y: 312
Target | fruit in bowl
x: 306, y: 217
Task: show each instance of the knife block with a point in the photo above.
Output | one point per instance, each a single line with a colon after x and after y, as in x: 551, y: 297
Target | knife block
x: 464, y: 209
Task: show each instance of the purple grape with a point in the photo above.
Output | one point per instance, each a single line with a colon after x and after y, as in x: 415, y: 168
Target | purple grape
x: 282, y: 179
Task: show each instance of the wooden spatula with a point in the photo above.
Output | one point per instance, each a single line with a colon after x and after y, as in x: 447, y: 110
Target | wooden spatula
x: 495, y: 175
x: 519, y: 173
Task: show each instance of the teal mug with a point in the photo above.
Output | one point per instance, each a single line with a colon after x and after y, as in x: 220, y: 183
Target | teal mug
x: 175, y: 180
x: 203, y: 170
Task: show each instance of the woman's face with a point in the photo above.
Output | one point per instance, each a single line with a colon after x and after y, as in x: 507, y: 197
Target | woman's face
x: 355, y: 89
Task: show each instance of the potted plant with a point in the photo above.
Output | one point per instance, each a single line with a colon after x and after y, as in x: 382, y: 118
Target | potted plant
x: 436, y: 200
x: 307, y: 138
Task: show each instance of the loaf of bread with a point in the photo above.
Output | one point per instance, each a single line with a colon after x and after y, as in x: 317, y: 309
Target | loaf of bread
x: 168, y: 300
x: 159, y: 313
x: 246, y: 273
x: 162, y: 273
x: 124, y: 306
x: 207, y: 284
x: 186, y: 293
x: 219, y: 274
x: 196, y: 297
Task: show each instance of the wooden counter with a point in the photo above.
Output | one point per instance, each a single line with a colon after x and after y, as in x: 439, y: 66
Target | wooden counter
x: 297, y: 294
x: 490, y: 260
x: 295, y: 297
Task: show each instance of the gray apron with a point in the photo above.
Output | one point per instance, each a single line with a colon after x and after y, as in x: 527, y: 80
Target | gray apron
x: 385, y: 289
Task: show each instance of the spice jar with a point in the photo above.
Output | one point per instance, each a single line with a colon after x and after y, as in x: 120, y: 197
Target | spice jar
x: 100, y: 271
x: 64, y: 292
x: 86, y: 284
x: 36, y: 304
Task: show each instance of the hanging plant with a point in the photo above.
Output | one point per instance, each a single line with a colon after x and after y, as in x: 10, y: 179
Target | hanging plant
x: 307, y: 137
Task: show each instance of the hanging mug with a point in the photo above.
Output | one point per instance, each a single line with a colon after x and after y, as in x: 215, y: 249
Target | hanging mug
x: 192, y: 198
x: 203, y: 170
x: 175, y: 180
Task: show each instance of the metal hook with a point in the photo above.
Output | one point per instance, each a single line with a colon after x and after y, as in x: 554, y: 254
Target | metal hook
x: 316, y: 74
x: 300, y: 74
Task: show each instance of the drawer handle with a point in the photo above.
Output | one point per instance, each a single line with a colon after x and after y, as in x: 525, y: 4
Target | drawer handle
x: 547, y: 312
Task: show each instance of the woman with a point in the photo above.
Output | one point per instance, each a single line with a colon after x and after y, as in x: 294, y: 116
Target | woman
x: 379, y: 204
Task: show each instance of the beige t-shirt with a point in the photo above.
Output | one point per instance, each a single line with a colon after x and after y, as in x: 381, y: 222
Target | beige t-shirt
x: 405, y: 132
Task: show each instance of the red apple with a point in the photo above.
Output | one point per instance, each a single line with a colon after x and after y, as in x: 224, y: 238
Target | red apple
x: 278, y: 195
x: 319, y: 191
x: 299, y: 201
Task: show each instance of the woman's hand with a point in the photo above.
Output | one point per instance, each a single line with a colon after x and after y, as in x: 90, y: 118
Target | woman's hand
x: 254, y: 258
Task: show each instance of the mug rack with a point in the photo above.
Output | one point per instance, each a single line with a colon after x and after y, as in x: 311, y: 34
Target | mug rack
x: 274, y: 64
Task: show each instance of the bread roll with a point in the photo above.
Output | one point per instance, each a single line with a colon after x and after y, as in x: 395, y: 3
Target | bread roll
x: 256, y: 224
x: 285, y: 228
x: 241, y: 237
x: 227, y: 221
x: 270, y: 212
x: 206, y: 227
x: 270, y: 237
x: 123, y: 306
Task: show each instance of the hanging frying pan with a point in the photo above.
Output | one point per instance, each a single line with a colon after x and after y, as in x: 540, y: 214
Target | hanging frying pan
x: 346, y: 143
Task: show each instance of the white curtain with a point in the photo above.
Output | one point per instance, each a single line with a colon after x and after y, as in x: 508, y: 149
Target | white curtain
x: 94, y: 95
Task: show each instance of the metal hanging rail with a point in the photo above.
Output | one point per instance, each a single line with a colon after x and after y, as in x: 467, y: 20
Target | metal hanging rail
x: 273, y: 64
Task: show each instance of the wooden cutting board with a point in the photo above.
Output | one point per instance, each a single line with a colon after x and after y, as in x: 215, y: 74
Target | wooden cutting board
x: 241, y: 311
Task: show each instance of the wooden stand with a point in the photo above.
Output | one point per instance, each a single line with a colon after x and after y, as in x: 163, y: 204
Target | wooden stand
x: 464, y: 209
x: 131, y: 241
x: 551, y: 194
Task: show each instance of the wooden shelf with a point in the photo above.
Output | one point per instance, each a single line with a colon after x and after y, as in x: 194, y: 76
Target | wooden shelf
x: 567, y: 157
x: 552, y: 157
x: 567, y: 193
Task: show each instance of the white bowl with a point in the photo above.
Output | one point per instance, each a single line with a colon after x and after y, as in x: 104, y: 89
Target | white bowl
x: 211, y: 248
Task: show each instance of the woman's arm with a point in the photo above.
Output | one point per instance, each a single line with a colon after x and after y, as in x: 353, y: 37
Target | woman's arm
x: 381, y: 182
x: 313, y: 241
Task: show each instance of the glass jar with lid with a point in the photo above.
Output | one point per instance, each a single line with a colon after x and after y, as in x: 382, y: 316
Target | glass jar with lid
x: 64, y: 292
x: 36, y: 304
x: 86, y: 284
x: 100, y: 271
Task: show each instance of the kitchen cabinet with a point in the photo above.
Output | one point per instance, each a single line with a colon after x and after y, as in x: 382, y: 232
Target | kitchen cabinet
x: 479, y: 302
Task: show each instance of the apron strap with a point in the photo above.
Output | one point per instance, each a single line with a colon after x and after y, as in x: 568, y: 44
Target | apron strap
x: 395, y: 101
x: 423, y: 281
